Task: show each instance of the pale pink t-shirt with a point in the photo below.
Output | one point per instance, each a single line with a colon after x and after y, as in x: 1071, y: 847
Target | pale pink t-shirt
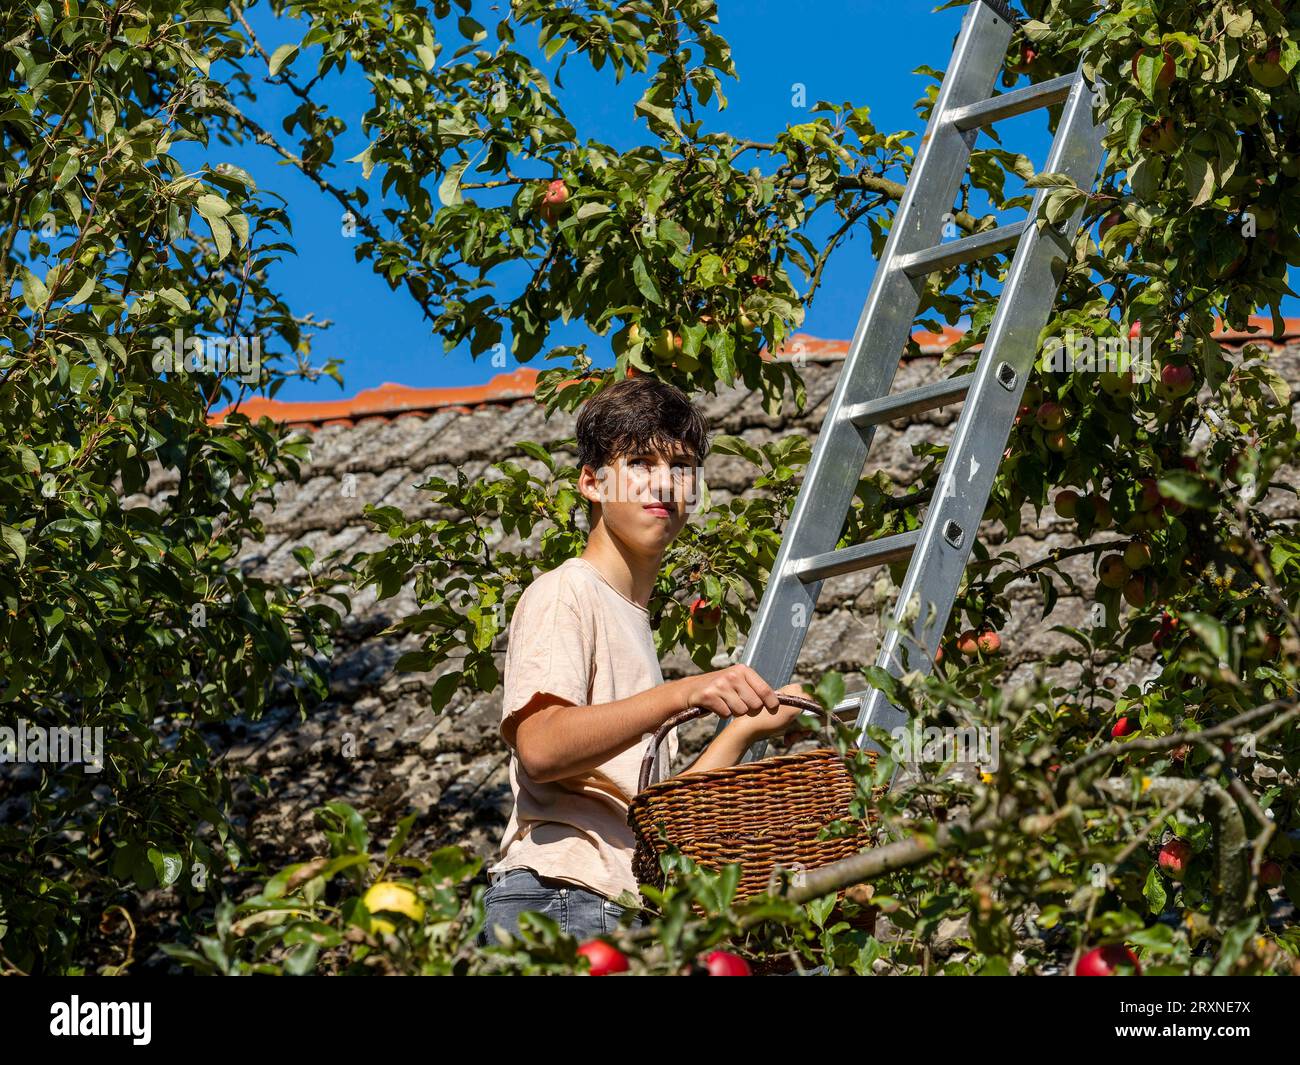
x: 577, y: 638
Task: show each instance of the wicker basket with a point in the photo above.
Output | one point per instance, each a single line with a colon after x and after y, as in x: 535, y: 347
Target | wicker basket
x: 760, y: 814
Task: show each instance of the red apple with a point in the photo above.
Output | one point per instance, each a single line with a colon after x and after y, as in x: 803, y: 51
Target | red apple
x: 1051, y: 416
x: 1113, y: 219
x: 703, y: 616
x: 556, y: 192
x: 1113, y: 572
x: 1266, y: 68
x: 1123, y: 727
x: 1150, y: 496
x: 968, y: 643
x: 603, y: 957
x: 1060, y: 442
x: 1174, y: 858
x: 1116, y: 384
x: 553, y: 200
x: 1101, y: 509
x: 1135, y: 592
x: 1065, y: 503
x: 989, y: 642
x: 1027, y: 54
x: 722, y: 963
x: 1137, y: 555
x: 1164, y: 630
x: 1270, y: 874
x: 1103, y: 961
x: 1135, y: 330
x: 1177, y: 380
x: 1159, y: 137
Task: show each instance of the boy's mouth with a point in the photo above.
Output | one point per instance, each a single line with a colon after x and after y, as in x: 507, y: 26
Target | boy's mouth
x: 658, y: 509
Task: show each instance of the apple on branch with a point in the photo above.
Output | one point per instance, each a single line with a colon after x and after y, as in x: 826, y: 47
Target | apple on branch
x: 1266, y: 68
x: 553, y: 199
x: 1174, y: 858
x: 603, y: 958
x: 1066, y: 502
x: 703, y: 617
x: 1104, y: 961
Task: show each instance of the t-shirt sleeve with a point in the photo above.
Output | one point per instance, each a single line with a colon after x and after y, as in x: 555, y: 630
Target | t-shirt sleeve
x: 549, y: 652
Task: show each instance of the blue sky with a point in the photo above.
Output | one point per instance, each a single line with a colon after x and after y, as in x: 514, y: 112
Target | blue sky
x: 861, y: 52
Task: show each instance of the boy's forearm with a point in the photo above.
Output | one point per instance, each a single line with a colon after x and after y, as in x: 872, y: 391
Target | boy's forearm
x: 562, y: 741
x: 727, y: 748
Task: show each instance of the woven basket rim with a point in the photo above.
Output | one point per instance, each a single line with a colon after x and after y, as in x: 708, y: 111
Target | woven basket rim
x: 742, y: 769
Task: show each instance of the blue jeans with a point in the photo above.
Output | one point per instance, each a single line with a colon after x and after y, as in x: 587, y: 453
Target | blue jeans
x: 579, y: 912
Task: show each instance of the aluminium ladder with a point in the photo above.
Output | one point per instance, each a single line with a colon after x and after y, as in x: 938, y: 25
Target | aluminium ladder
x: 862, y: 399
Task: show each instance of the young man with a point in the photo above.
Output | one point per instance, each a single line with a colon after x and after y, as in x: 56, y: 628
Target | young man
x: 583, y: 687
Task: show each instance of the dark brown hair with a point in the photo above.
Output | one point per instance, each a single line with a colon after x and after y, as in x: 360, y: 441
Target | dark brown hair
x: 639, y: 414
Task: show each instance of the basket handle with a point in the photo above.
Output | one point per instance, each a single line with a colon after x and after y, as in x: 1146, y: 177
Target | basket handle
x: 689, y: 714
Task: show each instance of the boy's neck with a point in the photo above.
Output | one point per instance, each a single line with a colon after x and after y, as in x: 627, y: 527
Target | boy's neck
x: 629, y: 571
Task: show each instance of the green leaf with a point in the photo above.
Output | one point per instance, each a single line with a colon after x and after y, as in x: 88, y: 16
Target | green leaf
x: 644, y: 282
x: 529, y: 447
x: 660, y: 119
x: 210, y: 206
x: 35, y: 294
x: 1211, y: 631
x: 239, y: 223
x: 167, y: 866
x: 1234, y: 942
x: 281, y: 56
x: 471, y: 29
x: 175, y: 298
x: 1155, y: 893
x: 1050, y: 180
x: 672, y: 233
x: 1185, y: 487
x: 87, y: 287
x: 221, y: 234
x: 1198, y: 178
x: 13, y: 539
x: 449, y: 189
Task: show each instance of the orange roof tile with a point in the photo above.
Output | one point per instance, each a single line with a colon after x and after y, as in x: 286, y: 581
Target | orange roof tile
x: 391, y: 401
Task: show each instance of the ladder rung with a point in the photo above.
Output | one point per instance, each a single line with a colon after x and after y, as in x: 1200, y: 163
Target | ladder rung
x: 909, y: 402
x: 859, y: 556
x: 996, y: 108
x: 966, y: 250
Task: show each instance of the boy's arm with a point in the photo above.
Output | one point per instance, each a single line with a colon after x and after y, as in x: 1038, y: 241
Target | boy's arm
x: 557, y: 740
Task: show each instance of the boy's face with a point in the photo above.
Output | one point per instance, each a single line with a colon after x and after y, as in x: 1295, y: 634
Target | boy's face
x: 645, y: 496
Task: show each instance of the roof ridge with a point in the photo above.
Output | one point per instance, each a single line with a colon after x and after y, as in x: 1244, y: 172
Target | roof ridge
x: 390, y: 400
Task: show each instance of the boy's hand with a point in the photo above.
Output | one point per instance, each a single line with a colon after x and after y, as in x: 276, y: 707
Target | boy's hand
x: 736, y: 691
x: 779, y: 725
